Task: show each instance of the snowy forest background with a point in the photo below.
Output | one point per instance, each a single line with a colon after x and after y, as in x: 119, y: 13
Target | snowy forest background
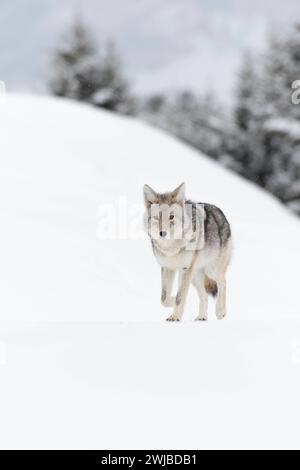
x: 257, y: 135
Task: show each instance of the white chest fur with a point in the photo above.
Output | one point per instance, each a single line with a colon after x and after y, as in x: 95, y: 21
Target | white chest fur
x: 177, y: 261
x: 184, y: 259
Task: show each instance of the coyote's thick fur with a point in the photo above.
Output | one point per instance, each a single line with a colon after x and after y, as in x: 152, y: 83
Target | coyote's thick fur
x: 193, y: 239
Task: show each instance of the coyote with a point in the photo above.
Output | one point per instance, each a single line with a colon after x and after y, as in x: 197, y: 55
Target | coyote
x: 193, y: 239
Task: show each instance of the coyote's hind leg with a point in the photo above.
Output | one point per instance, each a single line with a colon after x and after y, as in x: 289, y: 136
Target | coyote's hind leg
x: 221, y: 298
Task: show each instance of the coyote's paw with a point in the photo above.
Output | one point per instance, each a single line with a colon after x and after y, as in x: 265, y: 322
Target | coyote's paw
x: 200, y: 318
x: 173, y: 318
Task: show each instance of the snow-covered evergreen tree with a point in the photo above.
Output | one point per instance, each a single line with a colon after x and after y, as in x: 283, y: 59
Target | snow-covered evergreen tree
x: 76, y: 68
x: 282, y: 123
x: 81, y: 73
x: 267, y: 132
x: 249, y: 115
x: 113, y: 93
x: 199, y: 121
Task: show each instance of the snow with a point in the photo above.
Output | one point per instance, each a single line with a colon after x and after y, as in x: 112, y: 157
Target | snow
x: 86, y: 359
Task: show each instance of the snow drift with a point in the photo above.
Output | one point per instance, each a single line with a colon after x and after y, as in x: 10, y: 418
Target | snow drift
x: 87, y: 360
x: 60, y: 162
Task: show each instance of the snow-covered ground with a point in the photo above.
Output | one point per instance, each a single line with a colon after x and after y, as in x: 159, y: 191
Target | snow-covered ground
x: 86, y: 359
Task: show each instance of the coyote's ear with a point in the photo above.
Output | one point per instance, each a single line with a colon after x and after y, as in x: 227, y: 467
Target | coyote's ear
x: 179, y: 193
x: 150, y: 196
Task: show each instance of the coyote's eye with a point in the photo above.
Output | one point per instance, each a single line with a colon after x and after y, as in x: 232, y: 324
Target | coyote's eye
x: 171, y: 216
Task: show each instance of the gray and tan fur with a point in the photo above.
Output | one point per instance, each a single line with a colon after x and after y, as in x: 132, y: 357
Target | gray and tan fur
x: 201, y: 254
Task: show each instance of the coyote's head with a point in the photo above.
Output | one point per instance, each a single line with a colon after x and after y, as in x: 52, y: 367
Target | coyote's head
x: 166, y: 219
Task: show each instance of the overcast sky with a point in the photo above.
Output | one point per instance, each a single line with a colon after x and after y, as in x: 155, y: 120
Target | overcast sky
x: 164, y: 43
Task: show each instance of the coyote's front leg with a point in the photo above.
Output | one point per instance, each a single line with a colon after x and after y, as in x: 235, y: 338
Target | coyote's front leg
x: 167, y: 278
x: 185, y: 277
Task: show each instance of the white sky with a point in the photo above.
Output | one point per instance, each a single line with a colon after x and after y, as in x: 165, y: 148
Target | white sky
x: 164, y: 43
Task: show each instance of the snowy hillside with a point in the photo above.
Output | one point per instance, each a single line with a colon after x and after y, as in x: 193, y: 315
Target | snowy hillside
x: 87, y: 359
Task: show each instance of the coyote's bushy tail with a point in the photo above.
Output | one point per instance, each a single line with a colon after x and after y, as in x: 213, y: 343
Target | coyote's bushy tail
x: 211, y: 286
